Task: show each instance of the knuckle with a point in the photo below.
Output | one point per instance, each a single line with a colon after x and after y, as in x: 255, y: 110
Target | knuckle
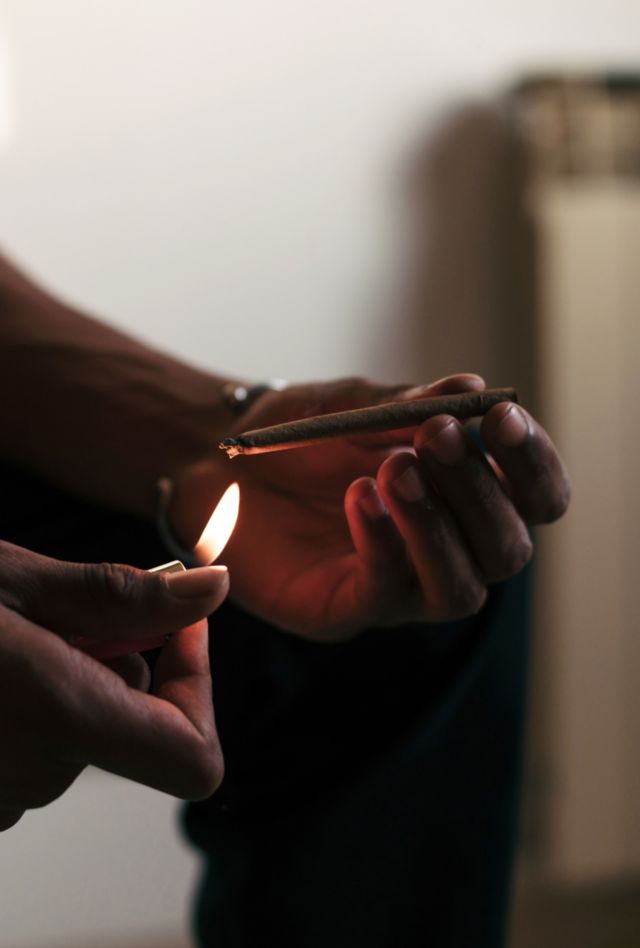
x: 487, y: 488
x: 473, y: 601
x: 42, y: 791
x: 355, y: 381
x: 9, y: 818
x: 519, y: 555
x: 550, y: 498
x: 113, y: 581
x: 205, y: 771
x: 351, y: 391
x: 556, y: 505
x: 510, y: 560
x: 464, y: 601
x: 21, y: 586
x: 34, y: 798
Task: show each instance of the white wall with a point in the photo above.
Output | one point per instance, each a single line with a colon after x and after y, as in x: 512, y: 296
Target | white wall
x: 104, y: 859
x: 212, y: 176
x: 586, y: 600
x: 211, y: 173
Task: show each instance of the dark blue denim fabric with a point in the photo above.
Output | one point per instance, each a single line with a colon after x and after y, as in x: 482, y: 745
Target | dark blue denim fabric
x: 371, y: 790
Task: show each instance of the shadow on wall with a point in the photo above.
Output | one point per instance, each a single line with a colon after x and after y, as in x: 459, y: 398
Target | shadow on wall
x: 467, y: 291
x: 523, y: 241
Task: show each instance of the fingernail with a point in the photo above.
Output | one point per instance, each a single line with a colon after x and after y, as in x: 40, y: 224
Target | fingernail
x: 408, y: 486
x: 448, y: 445
x: 464, y: 383
x: 372, y: 505
x: 417, y: 391
x: 465, y: 380
x: 196, y: 583
x: 514, y: 427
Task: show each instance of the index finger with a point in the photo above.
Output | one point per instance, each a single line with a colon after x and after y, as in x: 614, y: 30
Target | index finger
x: 80, y: 712
x: 449, y: 385
x: 167, y: 739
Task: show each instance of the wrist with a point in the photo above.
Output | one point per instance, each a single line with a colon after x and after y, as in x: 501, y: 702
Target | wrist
x: 190, y: 497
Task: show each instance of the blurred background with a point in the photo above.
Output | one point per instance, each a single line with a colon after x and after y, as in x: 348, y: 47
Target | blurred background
x: 399, y: 190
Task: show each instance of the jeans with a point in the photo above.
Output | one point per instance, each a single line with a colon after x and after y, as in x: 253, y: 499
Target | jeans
x: 371, y: 788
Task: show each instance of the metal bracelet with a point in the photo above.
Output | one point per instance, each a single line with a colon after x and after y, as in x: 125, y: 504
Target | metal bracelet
x: 239, y: 397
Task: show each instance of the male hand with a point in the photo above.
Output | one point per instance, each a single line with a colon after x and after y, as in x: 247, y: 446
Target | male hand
x: 60, y: 709
x: 379, y: 529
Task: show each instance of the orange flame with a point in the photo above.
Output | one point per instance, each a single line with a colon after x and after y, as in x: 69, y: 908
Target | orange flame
x: 219, y: 528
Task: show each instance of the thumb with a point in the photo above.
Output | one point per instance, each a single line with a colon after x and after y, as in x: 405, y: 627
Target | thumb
x: 122, y: 608
x: 319, y: 398
x: 449, y: 385
x: 360, y: 393
x: 348, y: 393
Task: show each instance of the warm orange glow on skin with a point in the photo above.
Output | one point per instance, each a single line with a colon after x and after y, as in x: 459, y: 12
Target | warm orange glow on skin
x: 222, y: 521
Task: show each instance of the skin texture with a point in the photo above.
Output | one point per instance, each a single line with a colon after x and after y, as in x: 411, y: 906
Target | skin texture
x: 103, y: 415
x: 331, y: 539
x: 380, y: 529
x: 61, y: 709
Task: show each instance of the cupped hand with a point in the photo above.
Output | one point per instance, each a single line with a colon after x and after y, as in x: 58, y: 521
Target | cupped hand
x: 61, y: 709
x: 379, y: 529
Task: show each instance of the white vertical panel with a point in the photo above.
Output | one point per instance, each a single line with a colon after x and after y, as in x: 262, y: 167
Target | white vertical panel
x: 629, y: 257
x: 581, y: 607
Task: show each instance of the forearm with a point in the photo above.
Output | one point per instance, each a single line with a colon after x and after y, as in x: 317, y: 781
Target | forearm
x: 92, y: 409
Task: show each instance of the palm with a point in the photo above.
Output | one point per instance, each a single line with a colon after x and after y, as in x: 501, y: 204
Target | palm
x: 310, y: 560
x: 304, y: 572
